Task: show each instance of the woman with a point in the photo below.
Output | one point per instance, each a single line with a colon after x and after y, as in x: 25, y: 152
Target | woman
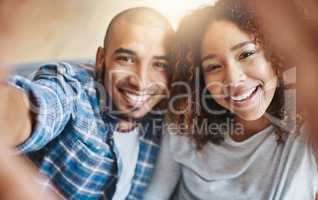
x: 235, y: 138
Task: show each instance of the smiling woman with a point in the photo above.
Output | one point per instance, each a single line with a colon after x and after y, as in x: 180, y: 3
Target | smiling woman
x: 235, y: 81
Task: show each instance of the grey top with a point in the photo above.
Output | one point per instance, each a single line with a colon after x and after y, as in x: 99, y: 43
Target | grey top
x: 257, y: 168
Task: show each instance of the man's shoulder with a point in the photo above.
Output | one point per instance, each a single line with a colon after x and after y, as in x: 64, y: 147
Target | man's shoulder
x: 70, y: 77
x: 71, y: 70
x: 82, y: 70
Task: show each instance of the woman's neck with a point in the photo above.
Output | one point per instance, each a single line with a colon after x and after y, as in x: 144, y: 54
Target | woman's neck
x: 250, y: 128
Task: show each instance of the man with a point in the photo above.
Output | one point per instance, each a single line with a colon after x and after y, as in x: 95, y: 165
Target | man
x: 95, y: 143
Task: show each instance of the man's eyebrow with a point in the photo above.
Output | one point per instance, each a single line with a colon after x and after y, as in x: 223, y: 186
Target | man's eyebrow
x: 239, y: 45
x: 163, y: 57
x: 123, y: 50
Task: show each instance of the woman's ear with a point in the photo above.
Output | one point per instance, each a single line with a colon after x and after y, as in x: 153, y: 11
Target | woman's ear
x: 100, y: 59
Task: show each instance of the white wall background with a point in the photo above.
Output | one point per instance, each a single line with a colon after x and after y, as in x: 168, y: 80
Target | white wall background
x: 56, y: 29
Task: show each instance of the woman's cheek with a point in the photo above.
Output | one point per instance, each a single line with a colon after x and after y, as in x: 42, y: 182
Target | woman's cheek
x: 216, y: 92
x: 261, y: 70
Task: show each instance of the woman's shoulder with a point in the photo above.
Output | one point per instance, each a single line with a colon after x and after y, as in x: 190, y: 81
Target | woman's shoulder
x: 178, y: 142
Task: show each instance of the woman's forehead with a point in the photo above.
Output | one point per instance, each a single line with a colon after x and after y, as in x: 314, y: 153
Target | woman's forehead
x: 223, y: 35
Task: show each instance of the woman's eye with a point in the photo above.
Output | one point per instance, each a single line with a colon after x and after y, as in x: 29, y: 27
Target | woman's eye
x: 125, y: 59
x: 212, y: 68
x: 246, y: 54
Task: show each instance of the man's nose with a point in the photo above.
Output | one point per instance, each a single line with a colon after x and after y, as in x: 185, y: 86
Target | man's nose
x: 141, y: 78
x: 144, y: 75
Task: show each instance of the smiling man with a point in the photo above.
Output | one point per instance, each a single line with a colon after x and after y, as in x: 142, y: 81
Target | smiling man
x: 134, y: 62
x: 94, y: 132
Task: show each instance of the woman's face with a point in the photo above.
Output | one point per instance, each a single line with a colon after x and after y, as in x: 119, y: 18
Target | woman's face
x: 236, y: 71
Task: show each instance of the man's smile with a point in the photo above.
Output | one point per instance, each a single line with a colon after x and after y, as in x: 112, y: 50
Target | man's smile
x: 134, y: 98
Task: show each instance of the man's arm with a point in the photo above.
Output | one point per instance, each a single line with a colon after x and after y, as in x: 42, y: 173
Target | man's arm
x: 18, y: 178
x: 52, y: 94
x: 15, y: 117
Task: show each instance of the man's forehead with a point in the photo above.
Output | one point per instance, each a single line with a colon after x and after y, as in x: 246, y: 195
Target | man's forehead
x: 143, y: 16
x: 127, y: 25
x: 138, y: 37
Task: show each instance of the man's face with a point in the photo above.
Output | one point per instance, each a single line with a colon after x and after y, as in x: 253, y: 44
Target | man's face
x: 136, y: 63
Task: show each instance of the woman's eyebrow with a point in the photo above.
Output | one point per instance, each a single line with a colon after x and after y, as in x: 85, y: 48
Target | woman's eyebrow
x: 207, y: 57
x: 239, y: 45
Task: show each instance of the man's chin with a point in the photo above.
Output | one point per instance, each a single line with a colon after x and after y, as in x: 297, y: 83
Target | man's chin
x: 132, y: 114
x: 137, y: 114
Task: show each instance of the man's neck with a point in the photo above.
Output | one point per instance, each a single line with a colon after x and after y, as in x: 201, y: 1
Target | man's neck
x: 124, y: 126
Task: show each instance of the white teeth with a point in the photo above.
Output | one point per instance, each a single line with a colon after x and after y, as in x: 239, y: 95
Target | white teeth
x: 247, y: 94
x: 136, y: 99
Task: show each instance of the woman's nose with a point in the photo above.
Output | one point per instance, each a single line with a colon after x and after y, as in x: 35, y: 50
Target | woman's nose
x: 235, y: 74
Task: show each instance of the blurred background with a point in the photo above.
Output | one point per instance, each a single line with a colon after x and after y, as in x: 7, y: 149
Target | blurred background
x: 70, y: 28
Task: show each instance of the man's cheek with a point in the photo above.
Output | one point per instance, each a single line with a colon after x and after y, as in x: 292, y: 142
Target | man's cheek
x: 111, y: 81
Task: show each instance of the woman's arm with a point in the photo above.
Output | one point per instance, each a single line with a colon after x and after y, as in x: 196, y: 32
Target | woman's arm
x: 166, y: 174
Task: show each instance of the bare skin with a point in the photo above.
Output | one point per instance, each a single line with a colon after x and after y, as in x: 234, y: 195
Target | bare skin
x: 14, y: 108
x: 21, y: 185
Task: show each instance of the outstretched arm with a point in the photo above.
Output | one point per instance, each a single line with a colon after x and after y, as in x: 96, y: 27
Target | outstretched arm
x: 15, y: 117
x: 18, y: 178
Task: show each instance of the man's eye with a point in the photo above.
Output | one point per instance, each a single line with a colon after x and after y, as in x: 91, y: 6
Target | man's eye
x: 125, y: 59
x: 161, y: 65
x: 246, y: 54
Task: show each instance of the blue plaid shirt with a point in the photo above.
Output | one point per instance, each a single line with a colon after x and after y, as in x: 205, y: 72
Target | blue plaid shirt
x: 72, y: 141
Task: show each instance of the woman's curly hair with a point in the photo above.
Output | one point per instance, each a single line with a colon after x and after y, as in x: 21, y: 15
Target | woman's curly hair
x: 187, y: 62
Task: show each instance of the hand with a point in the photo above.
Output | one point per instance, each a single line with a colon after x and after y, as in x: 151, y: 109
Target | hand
x: 291, y: 27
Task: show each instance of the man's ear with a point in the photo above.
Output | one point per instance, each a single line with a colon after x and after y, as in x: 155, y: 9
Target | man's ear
x: 100, y: 58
